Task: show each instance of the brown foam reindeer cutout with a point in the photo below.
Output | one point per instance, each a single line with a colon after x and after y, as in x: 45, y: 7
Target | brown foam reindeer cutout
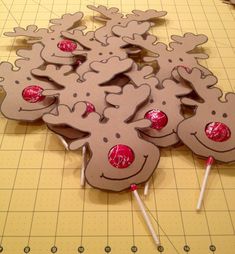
x: 24, y: 99
x: 94, y: 50
x: 179, y: 54
x: 119, y: 157
x: 56, y: 50
x: 210, y: 132
x: 163, y: 108
x: 112, y: 17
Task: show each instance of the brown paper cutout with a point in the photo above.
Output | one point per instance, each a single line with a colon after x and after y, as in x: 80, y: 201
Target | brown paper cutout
x: 103, y: 136
x: 112, y: 17
x: 14, y: 82
x: 180, y: 53
x: 50, y: 37
x: 113, y: 46
x: 164, y: 98
x: 192, y: 130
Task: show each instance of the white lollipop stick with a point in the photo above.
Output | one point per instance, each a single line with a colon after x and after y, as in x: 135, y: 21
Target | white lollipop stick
x: 145, y: 215
x: 82, y: 181
x: 63, y: 142
x: 209, y: 163
x: 146, y: 188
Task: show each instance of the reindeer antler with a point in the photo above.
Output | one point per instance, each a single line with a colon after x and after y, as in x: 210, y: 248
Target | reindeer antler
x: 6, y: 70
x: 202, y: 85
x: 73, y: 117
x: 30, y: 31
x: 230, y: 98
x: 145, y: 15
x: 188, y: 42
x: 104, y: 71
x: 127, y: 102
x: 30, y: 58
x: 61, y: 76
x: 146, y: 43
x: 108, y: 13
x: 142, y: 76
x: 66, y: 22
x: 131, y: 28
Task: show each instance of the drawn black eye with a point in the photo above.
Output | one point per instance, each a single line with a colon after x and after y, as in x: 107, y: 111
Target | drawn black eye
x: 163, y: 103
x: 52, y: 39
x: 119, y: 23
x: 156, y: 86
x: 75, y: 95
x: 111, y: 53
x: 105, y: 140
x: 169, y: 60
x: 151, y: 100
x: 28, y: 78
x: 100, y: 54
x: 181, y: 59
x: 88, y: 94
x: 117, y: 135
x: 213, y: 112
x: 17, y: 82
x: 225, y: 115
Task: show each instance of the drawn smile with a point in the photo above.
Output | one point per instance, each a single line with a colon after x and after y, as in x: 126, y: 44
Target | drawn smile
x: 21, y: 109
x: 62, y: 56
x: 163, y: 136
x: 124, y: 178
x: 218, y: 151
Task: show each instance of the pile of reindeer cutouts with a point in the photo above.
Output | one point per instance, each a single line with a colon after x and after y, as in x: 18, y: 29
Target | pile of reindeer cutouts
x: 120, y: 93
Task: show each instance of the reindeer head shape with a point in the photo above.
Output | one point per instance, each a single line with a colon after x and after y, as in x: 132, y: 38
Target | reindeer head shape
x: 112, y: 17
x: 163, y: 108
x: 51, y: 39
x: 24, y: 100
x: 113, y: 45
x: 180, y: 53
x: 90, y: 90
x: 119, y: 156
x: 210, y: 131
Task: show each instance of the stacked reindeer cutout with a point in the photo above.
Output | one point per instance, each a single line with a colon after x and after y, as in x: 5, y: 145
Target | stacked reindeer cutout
x: 119, y: 94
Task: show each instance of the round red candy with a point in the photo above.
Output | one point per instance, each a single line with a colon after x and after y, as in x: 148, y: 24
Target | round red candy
x: 158, y: 118
x: 78, y: 62
x: 89, y: 108
x: 33, y: 94
x: 67, y: 45
x: 121, y: 156
x: 218, y: 132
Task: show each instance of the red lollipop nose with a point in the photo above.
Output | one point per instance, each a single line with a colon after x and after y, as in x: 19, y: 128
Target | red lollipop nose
x: 158, y: 118
x: 33, y: 94
x: 121, y: 156
x: 67, y: 45
x: 89, y: 108
x: 218, y: 132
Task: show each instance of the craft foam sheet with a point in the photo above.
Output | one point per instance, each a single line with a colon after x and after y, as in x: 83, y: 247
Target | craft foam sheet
x: 42, y: 206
